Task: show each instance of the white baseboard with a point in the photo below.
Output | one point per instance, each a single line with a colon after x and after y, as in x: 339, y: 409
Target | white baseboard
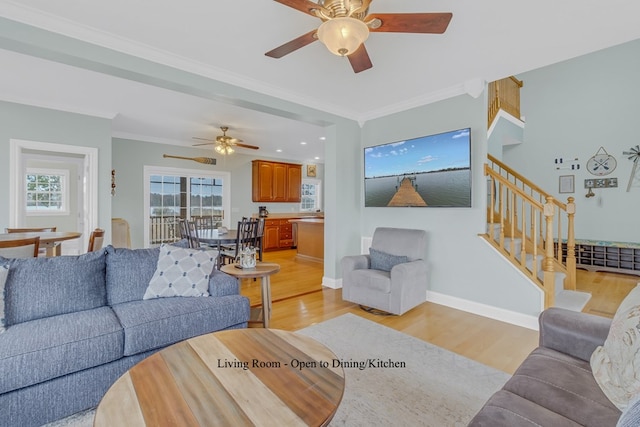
x: 519, y: 319
x: 331, y: 283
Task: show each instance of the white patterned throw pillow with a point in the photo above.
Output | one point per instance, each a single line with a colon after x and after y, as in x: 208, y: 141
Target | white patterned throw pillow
x: 181, y: 272
x: 4, y: 272
x: 616, y: 364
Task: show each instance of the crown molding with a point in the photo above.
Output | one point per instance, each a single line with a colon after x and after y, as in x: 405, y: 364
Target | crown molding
x: 109, y: 115
x: 14, y: 11
x: 33, y: 17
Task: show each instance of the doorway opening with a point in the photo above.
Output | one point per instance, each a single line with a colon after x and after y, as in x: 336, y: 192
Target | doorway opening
x: 80, y: 211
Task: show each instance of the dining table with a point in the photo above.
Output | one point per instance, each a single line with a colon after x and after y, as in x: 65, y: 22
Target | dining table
x: 214, y: 238
x: 50, y: 240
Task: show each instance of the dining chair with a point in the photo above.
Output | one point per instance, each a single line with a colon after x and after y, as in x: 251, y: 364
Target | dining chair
x: 120, y: 233
x: 245, y: 238
x: 183, y: 229
x: 22, y: 248
x: 205, y: 223
x: 96, y: 239
x: 42, y: 251
x: 192, y: 234
x: 257, y: 241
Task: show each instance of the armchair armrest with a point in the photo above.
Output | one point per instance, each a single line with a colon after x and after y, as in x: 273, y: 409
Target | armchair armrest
x: 354, y: 262
x: 412, y: 271
x: 573, y: 333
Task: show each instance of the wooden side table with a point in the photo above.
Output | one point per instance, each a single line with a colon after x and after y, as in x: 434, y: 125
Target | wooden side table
x: 262, y: 270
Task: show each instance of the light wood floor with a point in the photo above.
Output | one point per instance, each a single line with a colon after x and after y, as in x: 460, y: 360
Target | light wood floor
x: 299, y: 300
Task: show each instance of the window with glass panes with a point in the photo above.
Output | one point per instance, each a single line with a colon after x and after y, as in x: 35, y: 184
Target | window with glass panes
x: 47, y: 191
x: 310, y: 198
x: 175, y: 197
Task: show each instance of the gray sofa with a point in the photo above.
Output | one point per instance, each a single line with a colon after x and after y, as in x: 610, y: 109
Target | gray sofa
x: 76, y: 323
x: 555, y: 386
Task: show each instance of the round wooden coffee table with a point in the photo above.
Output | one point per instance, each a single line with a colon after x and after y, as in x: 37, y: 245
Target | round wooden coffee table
x: 238, y: 377
x: 262, y: 270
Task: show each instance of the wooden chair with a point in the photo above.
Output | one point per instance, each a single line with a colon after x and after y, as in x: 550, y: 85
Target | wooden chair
x: 183, y: 229
x: 257, y: 241
x: 194, y: 240
x: 247, y: 229
x: 96, y: 239
x: 120, y: 233
x: 23, y: 248
x: 41, y: 251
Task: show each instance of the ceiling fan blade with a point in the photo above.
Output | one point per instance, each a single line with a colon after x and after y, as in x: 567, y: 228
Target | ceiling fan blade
x: 360, y: 60
x: 304, y: 6
x: 253, y: 147
x: 202, y: 139
x: 204, y: 143
x: 432, y: 23
x: 293, y: 45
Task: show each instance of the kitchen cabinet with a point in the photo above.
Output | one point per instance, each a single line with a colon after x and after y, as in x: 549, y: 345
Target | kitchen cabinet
x: 276, y: 182
x: 278, y: 234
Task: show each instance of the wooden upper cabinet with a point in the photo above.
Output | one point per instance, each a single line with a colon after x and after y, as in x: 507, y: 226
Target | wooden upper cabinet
x: 276, y: 181
x: 294, y: 176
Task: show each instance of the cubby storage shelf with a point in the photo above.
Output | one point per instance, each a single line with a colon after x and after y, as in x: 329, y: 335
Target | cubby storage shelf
x: 596, y: 255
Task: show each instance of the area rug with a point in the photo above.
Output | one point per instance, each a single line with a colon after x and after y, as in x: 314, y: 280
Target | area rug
x: 392, y: 378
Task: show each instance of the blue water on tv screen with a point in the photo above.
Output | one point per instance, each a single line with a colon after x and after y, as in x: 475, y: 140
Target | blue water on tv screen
x: 429, y: 171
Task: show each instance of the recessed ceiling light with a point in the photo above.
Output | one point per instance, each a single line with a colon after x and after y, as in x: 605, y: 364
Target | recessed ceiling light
x: 278, y: 150
x: 322, y: 138
x: 303, y: 143
x: 317, y: 158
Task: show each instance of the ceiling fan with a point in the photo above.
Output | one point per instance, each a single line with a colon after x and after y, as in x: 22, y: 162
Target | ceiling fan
x: 346, y: 25
x: 225, y: 144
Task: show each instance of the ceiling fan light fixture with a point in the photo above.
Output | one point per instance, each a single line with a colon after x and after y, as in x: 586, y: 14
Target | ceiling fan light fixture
x: 224, y: 149
x: 343, y: 35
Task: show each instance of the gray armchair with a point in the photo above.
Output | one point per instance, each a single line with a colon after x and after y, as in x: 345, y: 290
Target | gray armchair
x: 393, y: 278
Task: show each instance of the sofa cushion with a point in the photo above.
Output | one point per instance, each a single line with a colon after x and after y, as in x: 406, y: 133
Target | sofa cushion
x: 383, y: 261
x: 616, y: 364
x: 564, y: 385
x: 181, y: 272
x: 377, y: 280
x: 4, y: 272
x: 42, y: 287
x: 159, y: 322
x: 505, y: 409
x: 39, y: 350
x: 129, y: 272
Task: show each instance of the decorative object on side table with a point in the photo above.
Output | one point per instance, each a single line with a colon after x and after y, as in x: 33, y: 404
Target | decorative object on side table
x: 634, y: 155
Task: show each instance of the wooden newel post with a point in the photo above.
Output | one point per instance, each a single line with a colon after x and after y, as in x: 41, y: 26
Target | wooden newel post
x: 571, y: 246
x: 547, y: 263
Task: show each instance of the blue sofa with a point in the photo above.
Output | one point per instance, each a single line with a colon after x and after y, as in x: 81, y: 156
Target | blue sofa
x: 74, y: 324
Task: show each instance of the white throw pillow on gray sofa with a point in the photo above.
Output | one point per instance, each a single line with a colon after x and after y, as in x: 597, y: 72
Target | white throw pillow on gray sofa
x: 616, y: 364
x: 181, y: 272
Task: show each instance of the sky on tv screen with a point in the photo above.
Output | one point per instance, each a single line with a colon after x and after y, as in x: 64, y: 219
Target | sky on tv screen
x: 428, y: 153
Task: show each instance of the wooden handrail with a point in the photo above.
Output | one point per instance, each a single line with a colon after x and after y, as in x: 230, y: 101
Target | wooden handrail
x: 525, y: 211
x: 524, y: 180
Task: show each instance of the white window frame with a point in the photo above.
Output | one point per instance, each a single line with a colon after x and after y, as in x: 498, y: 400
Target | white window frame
x: 188, y: 173
x: 64, y: 182
x: 318, y: 184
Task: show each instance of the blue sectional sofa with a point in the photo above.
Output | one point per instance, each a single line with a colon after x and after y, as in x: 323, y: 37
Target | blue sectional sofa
x: 74, y: 324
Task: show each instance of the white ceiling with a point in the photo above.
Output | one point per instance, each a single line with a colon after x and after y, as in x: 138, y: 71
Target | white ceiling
x: 227, y: 39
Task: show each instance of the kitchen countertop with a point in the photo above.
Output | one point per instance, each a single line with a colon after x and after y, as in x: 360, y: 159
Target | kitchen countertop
x: 280, y: 215
x: 308, y: 220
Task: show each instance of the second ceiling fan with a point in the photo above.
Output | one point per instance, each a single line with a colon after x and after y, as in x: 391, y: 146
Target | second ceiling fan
x: 346, y: 25
x: 225, y: 144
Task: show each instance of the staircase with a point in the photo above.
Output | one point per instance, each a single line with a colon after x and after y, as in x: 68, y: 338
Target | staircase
x: 525, y: 224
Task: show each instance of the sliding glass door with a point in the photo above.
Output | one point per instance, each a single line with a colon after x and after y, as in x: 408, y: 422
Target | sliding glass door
x: 171, y: 194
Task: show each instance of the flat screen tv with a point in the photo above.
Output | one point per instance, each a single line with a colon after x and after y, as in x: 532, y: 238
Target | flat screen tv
x: 429, y: 171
